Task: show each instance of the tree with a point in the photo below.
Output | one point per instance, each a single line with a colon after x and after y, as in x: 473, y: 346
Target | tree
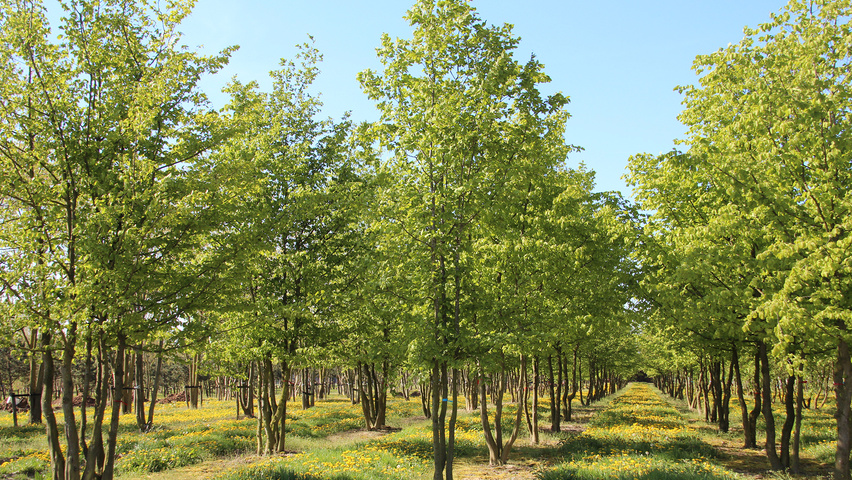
x: 292, y: 189
x: 457, y: 115
x: 769, y: 127
x: 102, y: 129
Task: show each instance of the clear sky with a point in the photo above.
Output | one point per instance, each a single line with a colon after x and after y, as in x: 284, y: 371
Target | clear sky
x: 618, y: 61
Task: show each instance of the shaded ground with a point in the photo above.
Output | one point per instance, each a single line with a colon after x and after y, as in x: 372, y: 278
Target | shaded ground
x: 360, y: 435
x: 526, y: 458
x: 754, y: 462
x: 732, y: 455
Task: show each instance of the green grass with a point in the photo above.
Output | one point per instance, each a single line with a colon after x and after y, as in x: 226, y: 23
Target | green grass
x: 637, y: 435
x: 188, y: 436
x: 637, y: 467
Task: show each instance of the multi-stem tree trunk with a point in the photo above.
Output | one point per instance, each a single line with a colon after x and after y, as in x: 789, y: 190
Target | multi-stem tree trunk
x: 498, y: 452
x: 272, y: 413
x: 246, y: 395
x: 126, y: 393
x: 374, y: 394
x: 592, y: 381
x: 474, y: 391
x: 715, y: 371
x: 365, y: 387
x: 192, y: 390
x: 536, y: 380
x: 96, y: 456
x: 72, y: 438
x: 440, y: 387
x: 426, y: 398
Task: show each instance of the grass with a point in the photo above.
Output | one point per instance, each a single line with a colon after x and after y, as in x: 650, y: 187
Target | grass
x: 636, y: 434
x: 184, y: 437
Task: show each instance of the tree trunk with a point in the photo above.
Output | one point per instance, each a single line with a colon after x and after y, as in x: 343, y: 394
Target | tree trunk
x: 507, y: 448
x: 380, y: 387
x: 725, y: 404
x: 426, y: 398
x: 454, y: 413
x: 95, y: 457
x: 555, y: 393
x: 769, y: 419
x: 754, y: 414
x: 87, y: 383
x: 281, y: 411
x: 795, y: 465
x: 536, y: 380
x: 843, y: 395
x: 72, y: 438
x: 494, y: 447
x: 118, y: 383
x: 440, y: 389
x: 568, y: 399
x: 36, y: 379
x: 749, y: 433
x: 365, y: 388
x: 789, y: 421
x: 155, y: 389
x: 57, y: 459
x: 139, y: 395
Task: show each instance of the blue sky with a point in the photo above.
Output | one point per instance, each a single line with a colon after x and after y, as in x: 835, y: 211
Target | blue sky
x: 618, y: 61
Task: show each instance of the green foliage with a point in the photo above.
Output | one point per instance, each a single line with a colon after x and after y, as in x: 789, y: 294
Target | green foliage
x: 748, y: 238
x: 289, y: 205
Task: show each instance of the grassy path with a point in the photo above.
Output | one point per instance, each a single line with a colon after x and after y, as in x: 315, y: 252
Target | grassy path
x: 638, y: 435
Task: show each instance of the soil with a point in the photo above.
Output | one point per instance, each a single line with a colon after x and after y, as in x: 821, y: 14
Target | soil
x: 175, y: 397
x: 76, y: 401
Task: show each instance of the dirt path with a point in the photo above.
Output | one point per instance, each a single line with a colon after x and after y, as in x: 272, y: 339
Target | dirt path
x: 526, y: 458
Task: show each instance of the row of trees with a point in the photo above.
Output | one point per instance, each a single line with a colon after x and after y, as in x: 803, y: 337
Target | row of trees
x: 747, y: 250
x: 447, y: 238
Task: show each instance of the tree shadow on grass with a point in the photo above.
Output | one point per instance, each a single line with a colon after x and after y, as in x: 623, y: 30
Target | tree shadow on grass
x: 676, y: 448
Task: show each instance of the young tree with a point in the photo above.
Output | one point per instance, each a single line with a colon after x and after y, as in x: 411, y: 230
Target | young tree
x: 458, y: 115
x: 292, y: 186
x: 100, y: 132
x: 769, y: 124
